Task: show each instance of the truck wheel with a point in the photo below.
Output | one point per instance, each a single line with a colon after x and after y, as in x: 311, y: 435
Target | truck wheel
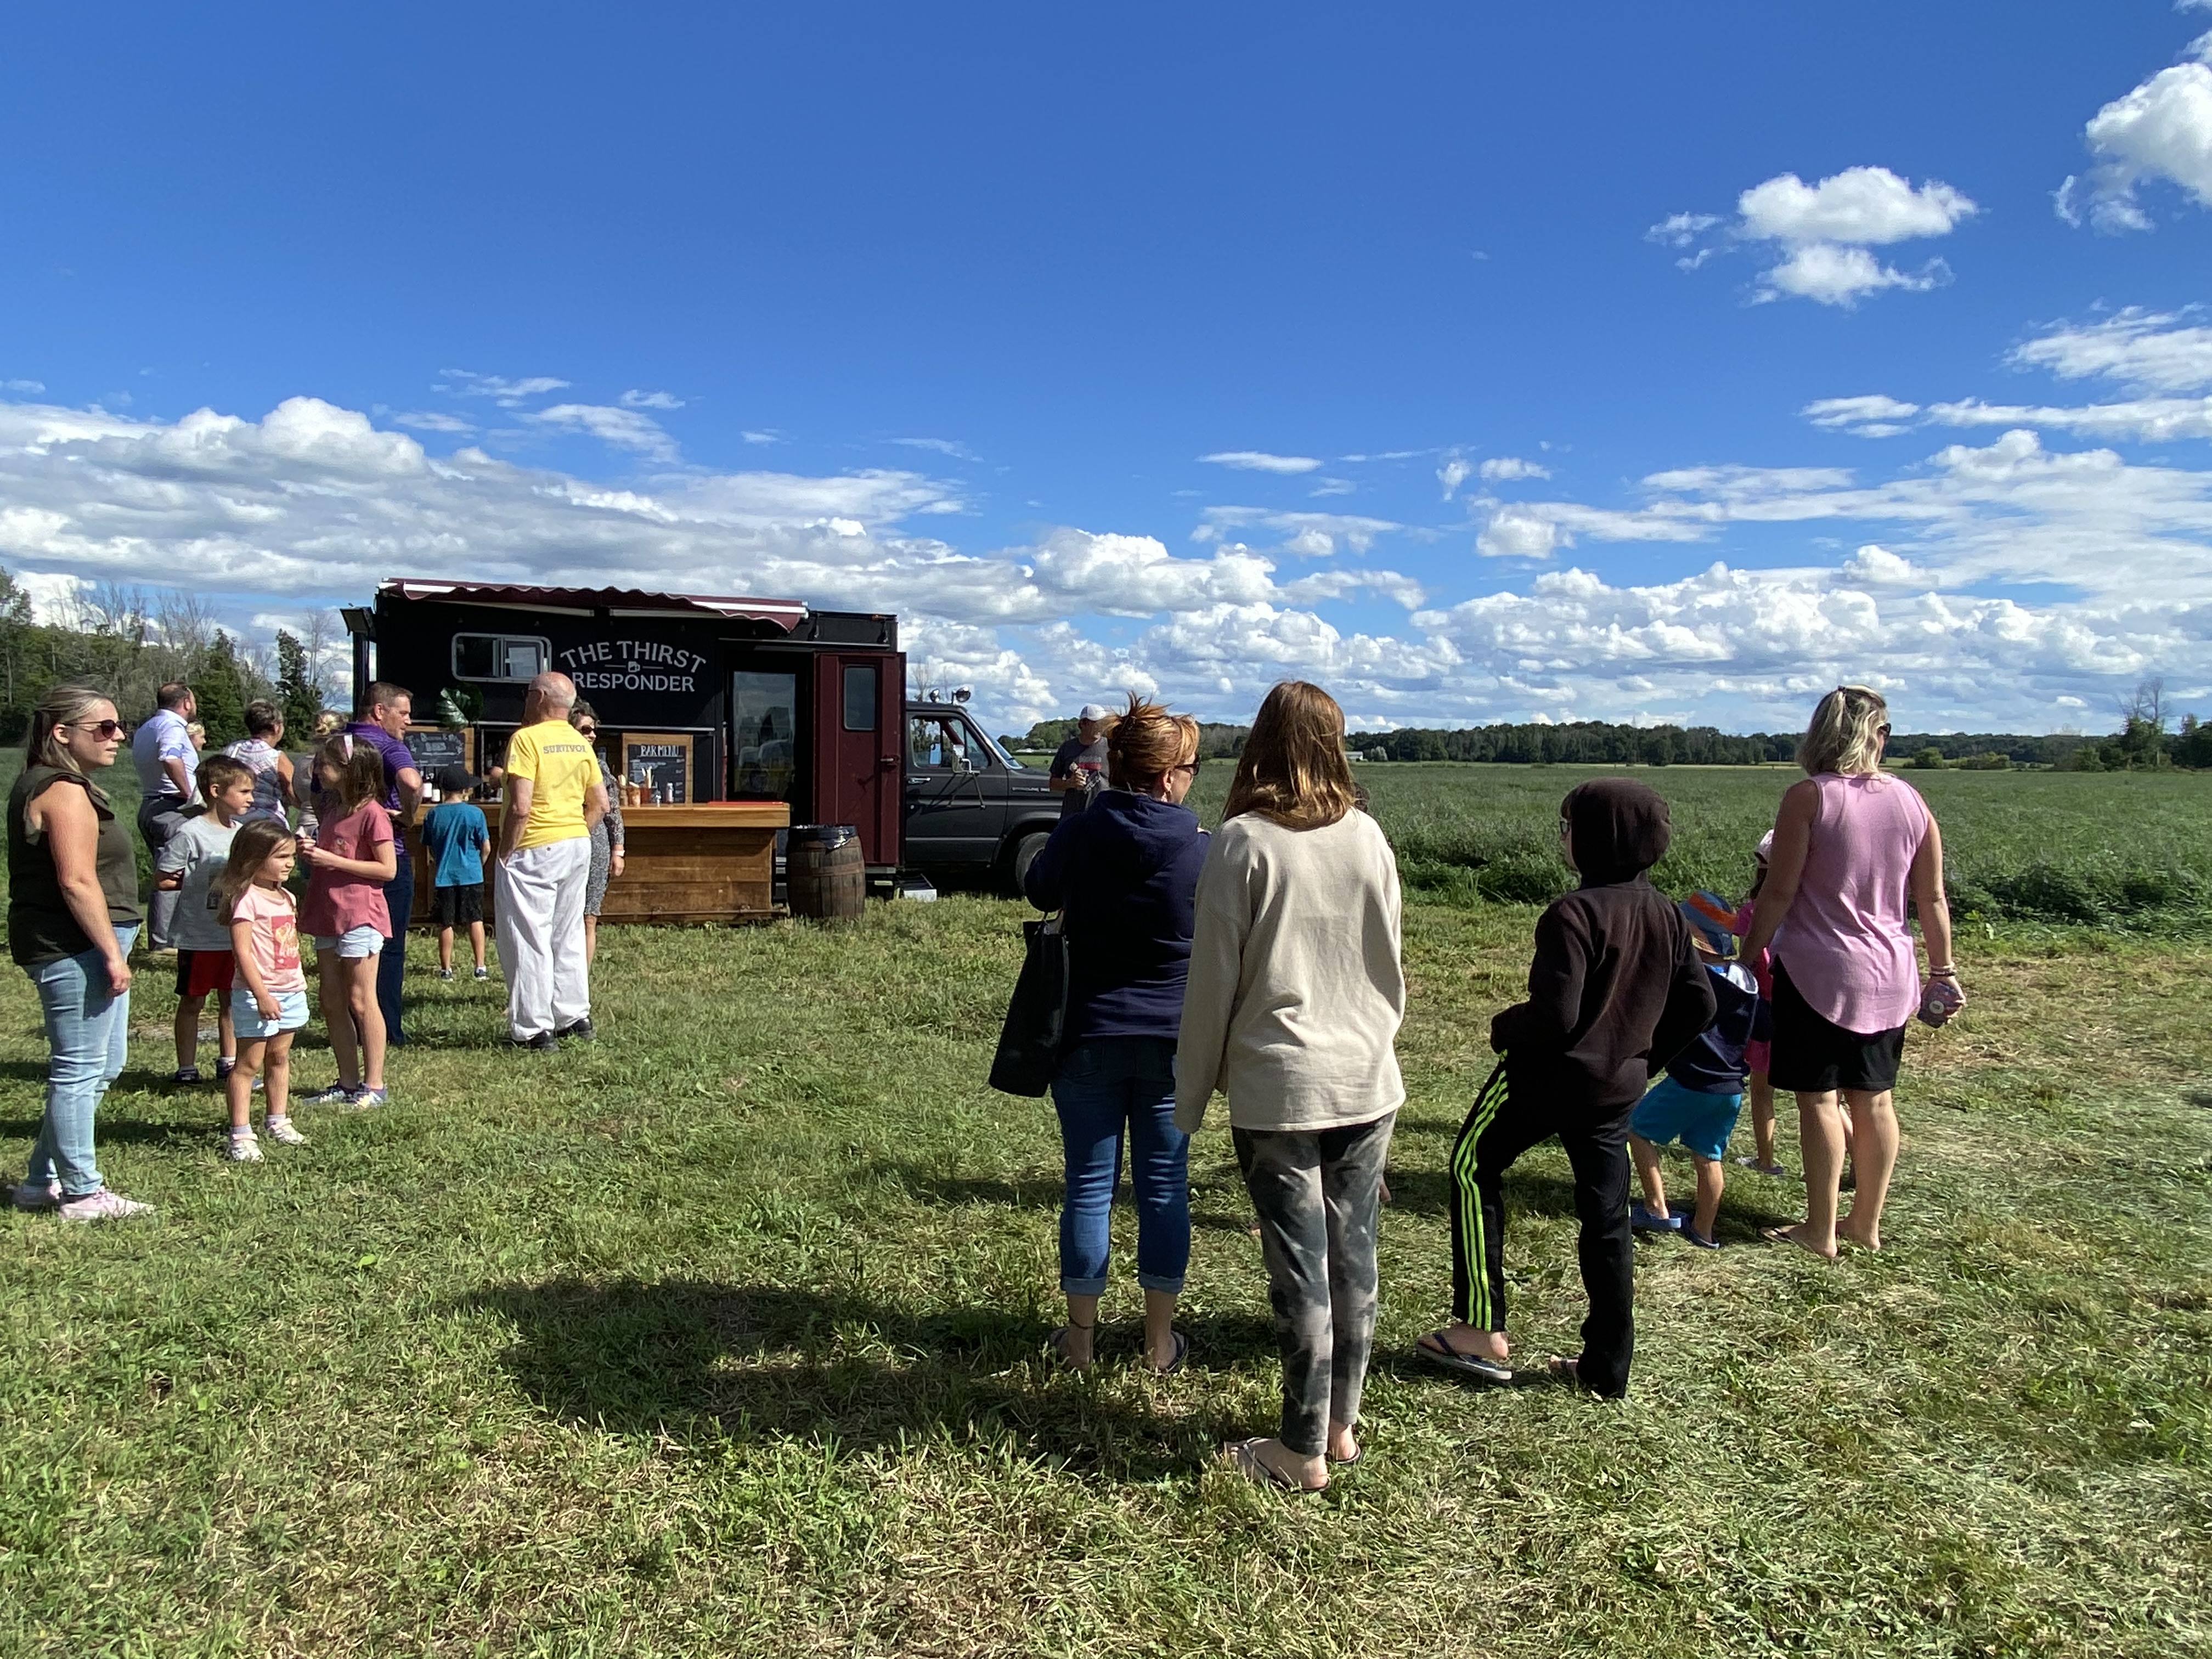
x: 1025, y: 852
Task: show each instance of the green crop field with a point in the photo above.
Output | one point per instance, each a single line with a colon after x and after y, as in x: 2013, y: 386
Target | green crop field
x: 725, y: 1334
x: 2126, y: 849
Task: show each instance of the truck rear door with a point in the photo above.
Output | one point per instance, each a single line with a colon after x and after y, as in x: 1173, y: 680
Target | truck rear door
x: 859, y: 698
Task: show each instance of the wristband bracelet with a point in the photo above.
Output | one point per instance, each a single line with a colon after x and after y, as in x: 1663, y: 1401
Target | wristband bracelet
x: 1942, y: 973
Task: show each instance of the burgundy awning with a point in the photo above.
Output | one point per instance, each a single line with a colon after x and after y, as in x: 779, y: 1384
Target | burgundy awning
x: 786, y: 614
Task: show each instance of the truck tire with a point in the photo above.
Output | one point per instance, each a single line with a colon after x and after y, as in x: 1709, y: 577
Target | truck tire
x: 1022, y: 856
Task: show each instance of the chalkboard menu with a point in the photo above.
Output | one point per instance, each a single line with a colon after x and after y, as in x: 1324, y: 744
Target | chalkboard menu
x: 659, y: 759
x: 435, y: 747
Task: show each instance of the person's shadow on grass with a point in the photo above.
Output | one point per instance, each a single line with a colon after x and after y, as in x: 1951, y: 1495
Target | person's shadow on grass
x: 644, y: 1357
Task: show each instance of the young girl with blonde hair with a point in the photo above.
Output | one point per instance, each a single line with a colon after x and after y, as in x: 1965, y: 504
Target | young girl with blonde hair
x: 269, y: 1002
x: 1296, y: 996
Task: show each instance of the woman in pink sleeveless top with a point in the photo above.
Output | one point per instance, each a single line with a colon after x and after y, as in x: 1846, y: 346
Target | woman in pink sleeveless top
x: 1850, y: 845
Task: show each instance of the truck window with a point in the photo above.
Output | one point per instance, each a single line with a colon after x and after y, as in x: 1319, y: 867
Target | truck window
x: 860, y: 696
x: 763, y: 716
x: 935, y: 741
x: 501, y: 657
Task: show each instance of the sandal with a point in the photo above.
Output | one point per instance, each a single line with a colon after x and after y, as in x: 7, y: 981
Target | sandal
x: 1435, y: 1347
x: 1181, y: 1353
x: 1058, y: 1343
x: 1245, y: 1457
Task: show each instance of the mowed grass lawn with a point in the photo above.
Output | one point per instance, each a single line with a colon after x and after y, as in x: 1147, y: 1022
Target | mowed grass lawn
x: 725, y: 1335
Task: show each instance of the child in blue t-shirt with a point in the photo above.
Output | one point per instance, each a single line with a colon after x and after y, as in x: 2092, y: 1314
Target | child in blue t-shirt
x: 457, y: 839
x: 1698, y: 1101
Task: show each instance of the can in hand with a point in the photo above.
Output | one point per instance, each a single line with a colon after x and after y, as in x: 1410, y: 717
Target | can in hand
x: 1939, y: 1001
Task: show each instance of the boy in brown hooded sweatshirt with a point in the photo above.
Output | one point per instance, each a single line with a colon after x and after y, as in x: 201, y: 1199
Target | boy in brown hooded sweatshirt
x: 1615, y: 990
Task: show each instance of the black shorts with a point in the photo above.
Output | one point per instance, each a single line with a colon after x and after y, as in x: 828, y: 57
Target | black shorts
x: 459, y: 906
x: 1813, y: 1055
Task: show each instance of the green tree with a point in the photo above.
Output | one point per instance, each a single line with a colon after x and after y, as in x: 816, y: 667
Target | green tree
x: 219, y: 684
x: 299, y: 695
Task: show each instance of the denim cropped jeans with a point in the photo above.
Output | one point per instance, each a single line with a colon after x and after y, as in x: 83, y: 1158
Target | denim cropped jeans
x: 1107, y: 1086
x: 88, y: 1031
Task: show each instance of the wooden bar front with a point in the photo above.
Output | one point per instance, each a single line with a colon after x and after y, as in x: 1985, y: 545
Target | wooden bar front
x: 708, y: 863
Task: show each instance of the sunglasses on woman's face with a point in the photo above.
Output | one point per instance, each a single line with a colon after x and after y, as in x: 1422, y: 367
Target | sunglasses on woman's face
x: 101, y: 729
x: 587, y: 730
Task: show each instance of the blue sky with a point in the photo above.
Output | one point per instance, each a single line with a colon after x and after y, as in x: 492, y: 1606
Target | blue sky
x: 1478, y: 362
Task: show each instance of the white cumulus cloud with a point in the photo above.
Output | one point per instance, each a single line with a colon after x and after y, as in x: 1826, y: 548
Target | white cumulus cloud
x: 625, y: 428
x: 1874, y: 416
x: 2162, y: 130
x: 2145, y: 350
x: 1504, y: 469
x: 1821, y: 235
x: 636, y: 399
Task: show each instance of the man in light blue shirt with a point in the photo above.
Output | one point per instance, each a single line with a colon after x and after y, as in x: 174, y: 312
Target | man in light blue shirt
x: 161, y: 750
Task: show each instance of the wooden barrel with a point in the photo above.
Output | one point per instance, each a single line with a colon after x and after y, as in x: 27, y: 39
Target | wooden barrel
x: 827, y: 876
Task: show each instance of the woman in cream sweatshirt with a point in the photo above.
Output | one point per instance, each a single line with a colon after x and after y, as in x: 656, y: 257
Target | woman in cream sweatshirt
x: 1296, y: 994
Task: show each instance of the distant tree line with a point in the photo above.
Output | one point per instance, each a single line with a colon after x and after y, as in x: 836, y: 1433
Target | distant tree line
x: 2142, y: 743
x: 132, y: 643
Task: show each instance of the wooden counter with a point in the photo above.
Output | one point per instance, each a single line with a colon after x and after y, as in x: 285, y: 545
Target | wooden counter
x: 714, y: 862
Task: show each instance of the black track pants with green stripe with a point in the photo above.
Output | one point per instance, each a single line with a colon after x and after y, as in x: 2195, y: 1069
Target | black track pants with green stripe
x: 1499, y: 1129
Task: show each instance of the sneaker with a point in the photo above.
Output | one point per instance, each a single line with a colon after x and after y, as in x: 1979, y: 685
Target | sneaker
x: 1643, y: 1221
x: 102, y: 1205
x: 281, y: 1129
x: 445, y: 972
x: 363, y: 1100
x: 185, y: 1074
x: 338, y: 1094
x: 35, y: 1195
x: 224, y: 1068
x: 241, y: 1148
x: 581, y: 1031
x: 484, y: 973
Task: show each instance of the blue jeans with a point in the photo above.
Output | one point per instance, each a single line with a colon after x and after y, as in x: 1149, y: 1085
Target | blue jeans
x: 392, y: 965
x: 1105, y: 1085
x: 88, y: 1030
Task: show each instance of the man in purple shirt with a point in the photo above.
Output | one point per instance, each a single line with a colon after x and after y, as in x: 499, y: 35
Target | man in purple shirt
x: 386, y: 708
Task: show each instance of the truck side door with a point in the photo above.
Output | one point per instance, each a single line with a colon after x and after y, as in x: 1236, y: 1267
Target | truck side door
x: 951, y: 817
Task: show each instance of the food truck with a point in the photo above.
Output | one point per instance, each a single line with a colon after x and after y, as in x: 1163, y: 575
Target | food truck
x: 726, y: 719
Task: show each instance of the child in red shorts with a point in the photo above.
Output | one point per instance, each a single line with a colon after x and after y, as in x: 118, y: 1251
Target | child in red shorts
x: 187, y: 864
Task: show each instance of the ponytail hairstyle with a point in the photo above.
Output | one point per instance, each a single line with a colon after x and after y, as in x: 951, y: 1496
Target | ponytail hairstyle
x: 1293, y: 771
x: 61, y: 705
x: 1850, y: 727
x: 257, y: 838
x: 1146, y: 743
x: 359, y: 768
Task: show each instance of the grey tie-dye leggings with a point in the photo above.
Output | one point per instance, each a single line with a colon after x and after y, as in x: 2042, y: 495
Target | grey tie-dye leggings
x: 1318, y: 1195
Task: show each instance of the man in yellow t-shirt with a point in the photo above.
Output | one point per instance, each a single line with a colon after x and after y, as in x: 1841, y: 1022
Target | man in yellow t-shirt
x: 554, y: 797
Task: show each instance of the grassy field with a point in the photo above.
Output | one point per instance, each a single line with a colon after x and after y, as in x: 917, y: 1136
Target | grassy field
x: 725, y: 1335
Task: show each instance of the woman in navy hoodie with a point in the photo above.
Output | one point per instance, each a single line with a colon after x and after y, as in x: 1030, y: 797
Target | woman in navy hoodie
x: 1126, y: 872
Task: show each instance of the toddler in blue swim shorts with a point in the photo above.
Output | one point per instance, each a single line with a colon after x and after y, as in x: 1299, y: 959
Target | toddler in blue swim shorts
x: 1695, y: 1105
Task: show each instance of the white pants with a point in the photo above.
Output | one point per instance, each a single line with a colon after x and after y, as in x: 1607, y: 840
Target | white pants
x: 538, y: 895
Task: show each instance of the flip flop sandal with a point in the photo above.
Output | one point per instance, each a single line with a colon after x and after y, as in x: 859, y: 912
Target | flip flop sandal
x: 1244, y: 1455
x: 1058, y: 1343
x: 1181, y: 1353
x: 1437, y: 1351
x: 1346, y: 1462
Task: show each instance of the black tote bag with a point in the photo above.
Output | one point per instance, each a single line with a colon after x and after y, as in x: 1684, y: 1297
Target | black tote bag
x: 1037, y: 1017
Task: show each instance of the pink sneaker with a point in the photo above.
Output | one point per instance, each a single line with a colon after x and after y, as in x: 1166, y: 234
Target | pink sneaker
x: 35, y: 1195
x: 102, y: 1205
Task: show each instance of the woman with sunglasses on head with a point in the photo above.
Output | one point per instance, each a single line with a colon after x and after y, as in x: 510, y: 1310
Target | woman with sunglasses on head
x: 72, y: 913
x: 1851, y: 846
x: 1125, y: 871
x: 606, y: 833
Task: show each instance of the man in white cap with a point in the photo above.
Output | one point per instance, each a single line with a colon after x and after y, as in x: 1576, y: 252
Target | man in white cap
x: 1079, y: 765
